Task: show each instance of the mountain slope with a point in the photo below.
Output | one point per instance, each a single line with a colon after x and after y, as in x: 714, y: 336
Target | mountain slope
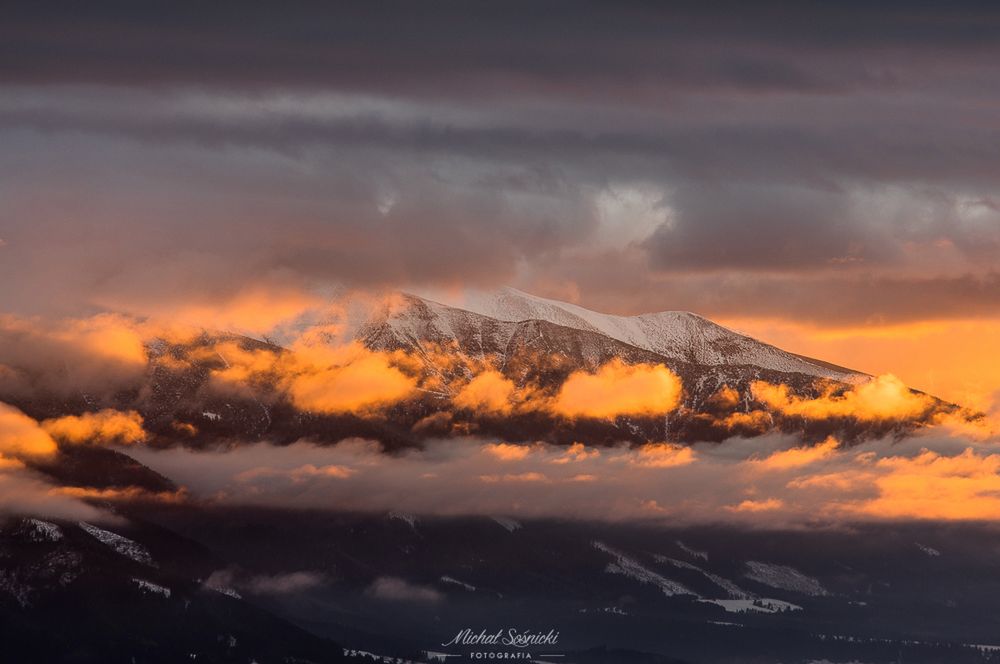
x: 870, y: 593
x: 677, y: 335
x: 126, y: 592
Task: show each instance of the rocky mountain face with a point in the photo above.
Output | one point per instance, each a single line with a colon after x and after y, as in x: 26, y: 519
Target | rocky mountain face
x: 541, y: 342
x: 520, y: 325
x: 674, y: 335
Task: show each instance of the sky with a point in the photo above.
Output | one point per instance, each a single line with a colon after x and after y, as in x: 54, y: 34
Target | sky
x: 820, y: 175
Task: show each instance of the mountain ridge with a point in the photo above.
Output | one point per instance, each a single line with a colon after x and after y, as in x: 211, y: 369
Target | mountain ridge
x: 681, y: 335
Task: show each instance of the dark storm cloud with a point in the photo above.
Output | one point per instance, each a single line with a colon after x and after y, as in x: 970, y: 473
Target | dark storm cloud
x: 551, y: 46
x: 784, y: 153
x: 695, y: 143
x: 764, y: 228
x: 395, y: 45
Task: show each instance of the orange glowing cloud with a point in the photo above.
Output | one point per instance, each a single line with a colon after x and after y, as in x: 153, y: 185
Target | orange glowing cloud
x: 242, y: 366
x: 319, y: 377
x: 24, y: 447
x: 124, y: 494
x: 20, y: 436
x: 756, y: 421
x: 488, y: 392
x: 365, y: 381
x: 753, y: 506
x: 97, y: 354
x: 576, y: 453
x: 299, y: 474
x: 23, y: 444
x: 7, y: 464
x: 882, y: 398
x: 799, y: 456
x: 951, y: 359
x: 933, y: 486
x: 104, y: 427
x: 725, y: 397
x: 514, y: 477
x: 662, y: 455
x: 107, y: 335
x: 619, y: 389
x: 508, y: 452
x: 839, y: 481
x: 255, y: 310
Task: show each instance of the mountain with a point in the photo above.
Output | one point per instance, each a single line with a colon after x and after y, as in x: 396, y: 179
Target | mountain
x: 489, y: 323
x: 678, y: 335
x: 128, y: 592
x: 921, y: 592
x: 169, y: 582
x: 536, y: 344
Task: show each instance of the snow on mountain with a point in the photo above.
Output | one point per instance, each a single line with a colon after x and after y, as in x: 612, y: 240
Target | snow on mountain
x: 633, y: 569
x: 508, y: 524
x: 43, y: 531
x: 455, y: 582
x: 679, y: 335
x: 413, y: 321
x: 691, y: 552
x: 150, y: 587
x: 733, y: 590
x: 222, y: 590
x: 482, y: 323
x: 122, y: 545
x: 408, y: 519
x: 784, y: 578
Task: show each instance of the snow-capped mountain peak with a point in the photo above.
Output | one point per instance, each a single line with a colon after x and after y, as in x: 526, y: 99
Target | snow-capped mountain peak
x: 677, y: 335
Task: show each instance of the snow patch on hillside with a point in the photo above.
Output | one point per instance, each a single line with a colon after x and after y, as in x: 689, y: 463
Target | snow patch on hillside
x: 634, y: 570
x: 455, y: 582
x: 150, y: 587
x: 784, y: 578
x: 691, y: 552
x: 409, y: 519
x: 510, y: 525
x: 121, y: 545
x: 43, y: 531
x: 731, y: 588
x: 225, y: 590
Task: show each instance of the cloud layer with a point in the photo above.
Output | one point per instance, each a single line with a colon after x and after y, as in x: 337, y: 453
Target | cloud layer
x: 770, y: 481
x: 23, y: 491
